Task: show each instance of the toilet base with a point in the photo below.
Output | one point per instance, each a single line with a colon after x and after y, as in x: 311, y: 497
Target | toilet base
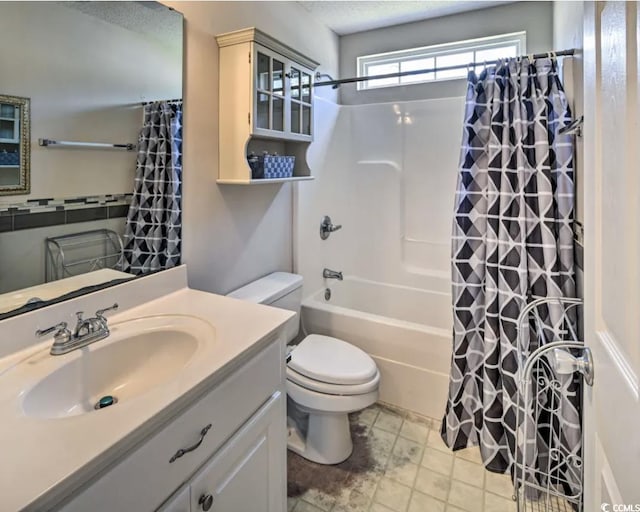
x: 327, y: 440
x: 319, y: 422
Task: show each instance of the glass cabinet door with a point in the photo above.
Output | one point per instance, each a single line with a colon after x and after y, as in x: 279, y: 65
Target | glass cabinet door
x: 277, y: 87
x: 263, y: 78
x: 306, y: 103
x: 9, y: 123
x: 283, y: 94
x: 300, y: 101
x: 270, y: 92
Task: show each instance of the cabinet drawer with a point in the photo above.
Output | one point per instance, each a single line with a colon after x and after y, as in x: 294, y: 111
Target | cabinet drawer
x: 144, y: 479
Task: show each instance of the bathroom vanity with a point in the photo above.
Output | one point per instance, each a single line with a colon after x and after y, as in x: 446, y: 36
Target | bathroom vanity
x: 200, y: 419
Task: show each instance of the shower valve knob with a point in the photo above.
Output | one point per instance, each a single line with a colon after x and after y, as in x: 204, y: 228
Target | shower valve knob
x: 327, y: 227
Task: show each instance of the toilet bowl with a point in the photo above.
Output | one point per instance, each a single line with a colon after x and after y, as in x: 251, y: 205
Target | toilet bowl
x: 327, y: 378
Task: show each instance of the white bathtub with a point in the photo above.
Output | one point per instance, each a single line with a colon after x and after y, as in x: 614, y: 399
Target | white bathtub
x: 406, y: 330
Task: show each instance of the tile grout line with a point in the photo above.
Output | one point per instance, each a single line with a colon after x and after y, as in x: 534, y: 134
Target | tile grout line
x: 415, y: 478
x: 373, y: 496
x: 453, y: 463
x: 395, y: 441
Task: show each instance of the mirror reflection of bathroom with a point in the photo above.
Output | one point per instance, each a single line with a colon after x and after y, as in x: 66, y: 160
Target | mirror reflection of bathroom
x: 98, y: 81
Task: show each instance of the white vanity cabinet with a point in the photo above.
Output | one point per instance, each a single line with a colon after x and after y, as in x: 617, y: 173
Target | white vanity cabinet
x: 266, y: 104
x: 237, y: 465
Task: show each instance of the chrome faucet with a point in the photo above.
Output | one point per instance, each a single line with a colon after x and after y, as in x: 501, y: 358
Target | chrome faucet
x: 87, y: 331
x: 331, y: 274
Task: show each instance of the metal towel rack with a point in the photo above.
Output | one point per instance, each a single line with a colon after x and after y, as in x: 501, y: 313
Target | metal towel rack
x: 76, y: 144
x: 574, y: 128
x: 549, y: 469
x: 79, y: 253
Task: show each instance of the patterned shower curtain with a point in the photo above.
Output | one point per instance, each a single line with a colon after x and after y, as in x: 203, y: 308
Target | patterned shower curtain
x: 152, y: 235
x: 512, y: 243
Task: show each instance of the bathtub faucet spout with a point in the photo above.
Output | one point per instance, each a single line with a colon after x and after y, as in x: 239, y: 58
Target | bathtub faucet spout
x: 331, y: 274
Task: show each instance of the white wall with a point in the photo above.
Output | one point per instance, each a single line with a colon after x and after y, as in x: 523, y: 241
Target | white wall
x: 85, y: 78
x: 534, y: 17
x: 235, y: 234
x: 568, y: 19
x: 568, y: 29
x: 388, y: 175
x: 568, y: 33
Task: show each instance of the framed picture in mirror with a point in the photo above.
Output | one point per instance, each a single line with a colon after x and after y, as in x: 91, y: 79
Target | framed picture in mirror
x: 15, y: 145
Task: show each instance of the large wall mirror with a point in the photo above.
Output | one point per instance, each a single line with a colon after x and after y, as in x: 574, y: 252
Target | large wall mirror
x: 85, y: 86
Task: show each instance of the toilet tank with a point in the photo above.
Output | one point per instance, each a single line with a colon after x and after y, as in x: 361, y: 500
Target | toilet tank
x: 280, y: 290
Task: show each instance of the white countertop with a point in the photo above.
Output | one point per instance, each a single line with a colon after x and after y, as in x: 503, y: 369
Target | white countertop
x: 47, y: 291
x: 44, y: 459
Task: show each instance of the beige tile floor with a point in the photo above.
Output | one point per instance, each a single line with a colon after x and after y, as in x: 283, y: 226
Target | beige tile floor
x: 413, y: 471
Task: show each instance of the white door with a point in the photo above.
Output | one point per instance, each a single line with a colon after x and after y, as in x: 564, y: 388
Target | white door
x: 612, y: 255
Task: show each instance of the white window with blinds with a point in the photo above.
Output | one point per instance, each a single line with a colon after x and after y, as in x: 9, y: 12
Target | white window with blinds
x: 472, y: 52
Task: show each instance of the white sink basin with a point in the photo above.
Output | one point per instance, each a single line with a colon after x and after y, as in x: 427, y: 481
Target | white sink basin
x: 138, y: 356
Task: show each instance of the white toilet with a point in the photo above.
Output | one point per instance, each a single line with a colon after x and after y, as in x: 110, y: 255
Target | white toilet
x: 327, y: 378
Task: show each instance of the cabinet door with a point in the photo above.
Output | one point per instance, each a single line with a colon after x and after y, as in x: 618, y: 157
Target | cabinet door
x: 269, y: 90
x: 249, y: 473
x: 9, y: 123
x: 300, y: 100
x: 179, y: 502
x: 283, y: 97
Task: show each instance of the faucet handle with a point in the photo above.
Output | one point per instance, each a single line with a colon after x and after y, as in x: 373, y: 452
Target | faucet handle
x: 79, y: 315
x: 327, y: 227
x: 60, y: 330
x: 100, y: 313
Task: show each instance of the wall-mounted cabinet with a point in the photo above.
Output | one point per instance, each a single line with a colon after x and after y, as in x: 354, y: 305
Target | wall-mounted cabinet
x: 266, y: 104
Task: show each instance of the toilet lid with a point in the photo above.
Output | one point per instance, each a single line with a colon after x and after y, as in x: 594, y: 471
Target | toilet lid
x: 331, y: 360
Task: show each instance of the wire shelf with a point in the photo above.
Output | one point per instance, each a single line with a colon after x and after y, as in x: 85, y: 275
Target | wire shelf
x: 79, y: 253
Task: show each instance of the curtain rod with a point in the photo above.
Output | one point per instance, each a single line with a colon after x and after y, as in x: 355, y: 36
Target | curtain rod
x: 76, y: 144
x: 336, y: 83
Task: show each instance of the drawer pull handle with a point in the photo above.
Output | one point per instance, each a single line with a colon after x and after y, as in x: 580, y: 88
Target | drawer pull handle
x: 206, y: 500
x: 183, y: 451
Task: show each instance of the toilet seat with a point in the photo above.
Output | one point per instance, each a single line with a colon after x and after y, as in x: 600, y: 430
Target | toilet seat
x: 333, y: 389
x: 332, y: 361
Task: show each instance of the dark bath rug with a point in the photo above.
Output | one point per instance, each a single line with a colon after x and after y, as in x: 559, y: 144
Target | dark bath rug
x: 302, y: 474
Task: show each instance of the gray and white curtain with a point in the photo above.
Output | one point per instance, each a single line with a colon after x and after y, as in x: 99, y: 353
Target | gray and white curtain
x: 512, y: 243
x: 153, y: 230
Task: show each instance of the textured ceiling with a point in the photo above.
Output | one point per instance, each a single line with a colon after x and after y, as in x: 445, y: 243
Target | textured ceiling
x: 151, y: 19
x: 347, y: 17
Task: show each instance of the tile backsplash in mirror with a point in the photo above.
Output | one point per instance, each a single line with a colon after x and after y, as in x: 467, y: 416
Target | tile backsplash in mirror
x: 36, y: 213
